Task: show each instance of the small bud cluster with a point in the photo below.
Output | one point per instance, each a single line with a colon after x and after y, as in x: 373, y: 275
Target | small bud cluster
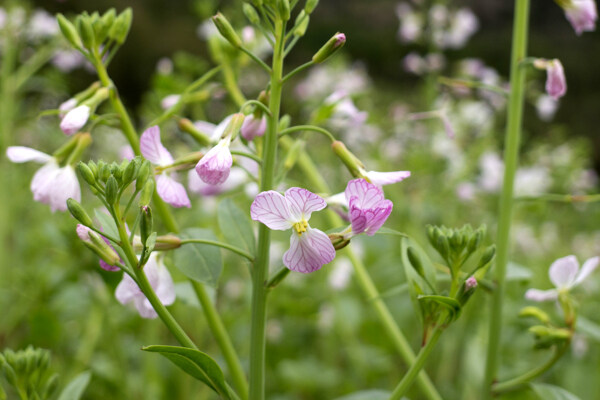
x: 89, y: 32
x: 28, y: 371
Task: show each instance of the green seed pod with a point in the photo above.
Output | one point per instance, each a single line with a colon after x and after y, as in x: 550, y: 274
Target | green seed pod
x: 300, y: 28
x: 130, y: 172
x: 310, y: 6
x: 146, y: 222
x: 536, y: 313
x: 336, y: 42
x: 69, y: 31
x: 79, y: 213
x: 147, y: 192
x: 86, y: 32
x: 251, y: 14
x: 352, y: 162
x: 87, y: 174
x: 487, y: 257
x: 111, y: 191
x: 283, y: 7
x: 226, y: 30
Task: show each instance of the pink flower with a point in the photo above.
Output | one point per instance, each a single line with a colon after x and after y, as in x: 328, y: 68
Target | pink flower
x: 367, y: 207
x: 167, y: 188
x: 67, y: 106
x: 51, y: 184
x: 75, y: 120
x: 253, y: 127
x: 84, y: 234
x: 215, y: 166
x: 160, y: 280
x: 556, y: 83
x: 170, y: 101
x: 310, y: 248
x: 386, y: 178
x: 582, y: 15
x: 564, y: 274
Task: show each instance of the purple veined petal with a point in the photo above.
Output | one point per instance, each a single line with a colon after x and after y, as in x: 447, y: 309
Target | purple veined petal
x: 153, y: 149
x: 303, y: 203
x: 541, y: 295
x: 21, y: 154
x: 588, y: 267
x: 215, y: 166
x: 197, y: 185
x: 308, y: 252
x: 75, y: 119
x: 171, y: 191
x: 564, y: 271
x: 253, y: 127
x: 582, y: 15
x: 556, y: 83
x: 273, y: 210
x: 41, y: 184
x: 376, y: 217
x: 367, y: 194
x: 387, y: 178
x: 64, y: 186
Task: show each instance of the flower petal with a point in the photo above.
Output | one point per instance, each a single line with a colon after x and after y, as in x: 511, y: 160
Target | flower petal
x: 152, y: 148
x: 588, y: 267
x: 21, y: 154
x: 303, y: 202
x: 273, y: 210
x: 75, y: 119
x: 64, y: 186
x: 564, y: 271
x: 127, y: 290
x: 367, y: 194
x: 144, y: 308
x: 541, y: 295
x: 172, y: 191
x: 41, y: 184
x: 369, y: 220
x: 215, y: 166
x: 386, y: 178
x: 308, y: 252
x: 556, y: 83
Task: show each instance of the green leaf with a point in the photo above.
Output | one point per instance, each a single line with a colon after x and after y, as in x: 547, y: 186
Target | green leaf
x: 197, y: 364
x: 449, y: 303
x: 74, y: 390
x: 107, y: 223
x: 367, y: 395
x: 551, y: 392
x: 388, y: 231
x: 236, y: 226
x: 200, y: 262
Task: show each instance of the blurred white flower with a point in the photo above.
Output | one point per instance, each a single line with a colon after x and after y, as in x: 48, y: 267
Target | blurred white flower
x: 340, y: 275
x: 42, y: 25
x: 546, y: 107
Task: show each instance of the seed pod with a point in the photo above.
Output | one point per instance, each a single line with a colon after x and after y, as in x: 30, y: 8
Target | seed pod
x: 310, y: 6
x: 86, y: 32
x: 334, y: 44
x: 146, y: 222
x: 78, y: 212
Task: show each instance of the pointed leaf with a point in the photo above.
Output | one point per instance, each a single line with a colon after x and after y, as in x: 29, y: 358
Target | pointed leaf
x: 236, y: 226
x: 387, y: 231
x: 551, y: 392
x: 107, y: 223
x: 74, y: 390
x: 197, y: 364
x: 200, y: 262
x: 449, y: 303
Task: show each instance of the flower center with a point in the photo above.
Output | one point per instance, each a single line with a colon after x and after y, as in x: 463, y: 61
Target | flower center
x: 300, y: 227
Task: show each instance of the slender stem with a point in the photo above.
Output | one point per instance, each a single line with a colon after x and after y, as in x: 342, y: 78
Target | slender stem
x: 365, y: 282
x: 528, y: 376
x: 312, y: 128
x: 414, y: 370
x: 256, y: 59
x: 277, y: 277
x: 247, y: 155
x: 220, y: 244
x: 257, y: 104
x: 261, y: 264
x: 511, y: 158
x: 230, y: 82
x: 298, y: 69
x: 291, y: 45
x: 220, y: 333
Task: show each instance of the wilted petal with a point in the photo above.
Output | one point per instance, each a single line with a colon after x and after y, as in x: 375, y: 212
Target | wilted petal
x: 152, y: 148
x: 303, y: 203
x: 556, y: 83
x: 588, y: 267
x: 75, y: 120
x: 387, y: 178
x: 308, y: 252
x: 253, y: 127
x: 21, y: 154
x: 582, y: 15
x: 172, y: 191
x: 541, y: 295
x: 564, y: 271
x: 273, y: 210
x: 215, y: 166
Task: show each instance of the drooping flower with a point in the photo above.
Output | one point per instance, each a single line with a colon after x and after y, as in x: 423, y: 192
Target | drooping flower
x: 160, y: 280
x: 51, y: 184
x: 582, y: 15
x: 556, y: 83
x: 167, y: 187
x: 253, y: 127
x: 564, y: 274
x: 215, y: 166
x: 169, y: 101
x: 84, y: 234
x: 368, y: 209
x: 310, y: 248
x: 75, y: 119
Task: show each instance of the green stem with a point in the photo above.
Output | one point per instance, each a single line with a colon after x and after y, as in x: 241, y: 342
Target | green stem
x: 416, y: 367
x: 365, y: 282
x: 247, y: 155
x: 220, y: 333
x: 312, y: 128
x: 257, y: 104
x: 520, y: 380
x: 220, y: 244
x: 298, y: 69
x: 511, y: 158
x: 256, y: 59
x: 261, y: 264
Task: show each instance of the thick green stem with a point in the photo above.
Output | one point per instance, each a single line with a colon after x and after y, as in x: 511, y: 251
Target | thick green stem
x: 220, y: 333
x: 511, y: 158
x: 365, y: 282
x: 414, y: 370
x: 261, y: 265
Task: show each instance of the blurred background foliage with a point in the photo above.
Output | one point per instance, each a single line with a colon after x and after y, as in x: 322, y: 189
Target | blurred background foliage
x: 323, y: 339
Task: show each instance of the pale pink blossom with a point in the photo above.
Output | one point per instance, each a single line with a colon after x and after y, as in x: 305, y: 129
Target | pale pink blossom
x: 67, y: 106
x: 564, y: 274
x: 160, y: 280
x: 253, y: 127
x: 582, y: 15
x: 170, y: 101
x: 310, y: 248
x: 368, y: 209
x: 75, y: 119
x: 167, y: 187
x: 51, y: 184
x: 386, y: 178
x: 556, y: 83
x: 215, y: 166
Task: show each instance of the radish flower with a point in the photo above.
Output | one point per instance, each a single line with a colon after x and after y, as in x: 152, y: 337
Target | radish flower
x: 75, y: 119
x: 582, y: 15
x: 564, y: 274
x: 368, y: 209
x: 310, y: 248
x: 556, y: 83
x: 167, y: 187
x: 253, y: 127
x: 215, y: 166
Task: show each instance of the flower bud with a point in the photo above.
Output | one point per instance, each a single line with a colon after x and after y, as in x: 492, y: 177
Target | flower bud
x: 226, y: 30
x: 103, y: 25
x: 78, y: 212
x: 146, y: 222
x: 75, y: 120
x: 102, y: 249
x: 556, y: 83
x: 86, y: 32
x: 334, y: 44
x: 147, y: 192
x: 68, y: 30
x: 352, y: 162
x: 535, y: 312
x: 310, y: 6
x: 253, y: 127
x: 87, y: 174
x: 167, y: 242
x: 143, y: 174
x: 120, y: 28
x: 487, y: 257
x: 111, y: 190
x: 284, y: 9
x: 415, y: 261
x: 234, y: 126
x: 251, y: 14
x: 129, y: 173
x: 301, y: 24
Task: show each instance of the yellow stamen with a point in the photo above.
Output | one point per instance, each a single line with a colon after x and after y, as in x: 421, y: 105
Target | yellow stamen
x: 300, y: 227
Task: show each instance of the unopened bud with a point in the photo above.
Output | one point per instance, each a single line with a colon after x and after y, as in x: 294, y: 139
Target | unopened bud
x: 111, y: 190
x: 310, y: 6
x: 301, y: 25
x: 352, y: 162
x: 284, y: 9
x: 146, y: 222
x: 69, y: 31
x: 120, y: 28
x: 487, y: 257
x: 102, y: 249
x: 188, y: 126
x: 334, y: 44
x: 87, y: 174
x: 234, y: 126
x: 143, y: 174
x: 129, y: 174
x: 415, y: 261
x: 535, y: 312
x: 103, y: 25
x: 78, y: 212
x: 251, y: 14
x: 86, y: 32
x: 226, y: 30
x: 167, y: 242
x: 147, y: 192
